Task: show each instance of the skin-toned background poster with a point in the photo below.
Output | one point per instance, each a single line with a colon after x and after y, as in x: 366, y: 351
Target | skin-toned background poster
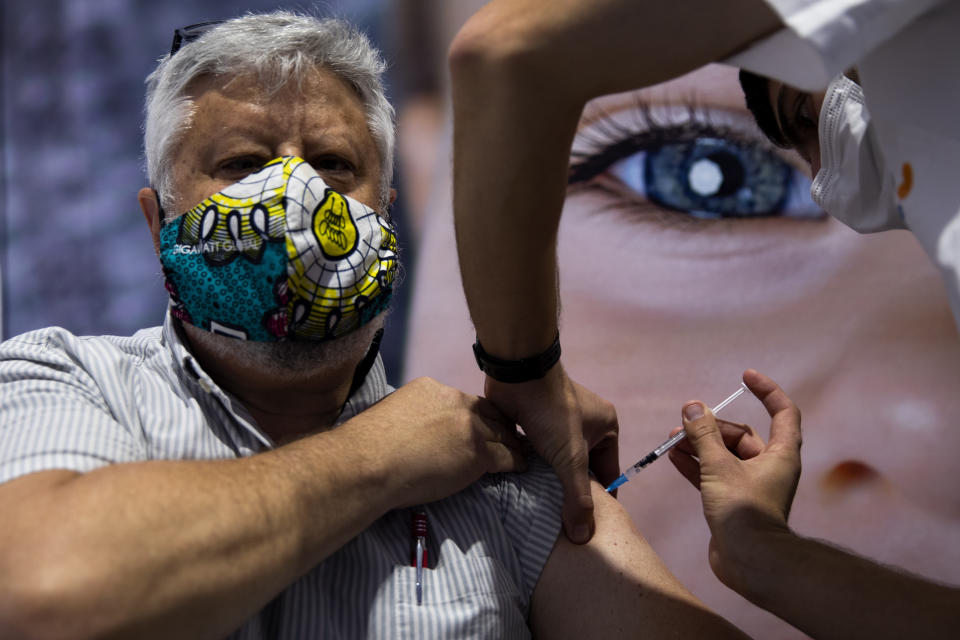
x: 666, y: 300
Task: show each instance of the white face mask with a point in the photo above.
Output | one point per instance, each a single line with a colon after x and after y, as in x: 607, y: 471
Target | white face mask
x: 853, y: 184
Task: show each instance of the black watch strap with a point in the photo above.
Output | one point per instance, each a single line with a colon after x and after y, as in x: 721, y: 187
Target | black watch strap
x: 522, y: 370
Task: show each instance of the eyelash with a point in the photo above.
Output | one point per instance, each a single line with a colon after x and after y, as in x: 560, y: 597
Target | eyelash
x: 613, y: 141
x: 607, y: 141
x: 233, y: 162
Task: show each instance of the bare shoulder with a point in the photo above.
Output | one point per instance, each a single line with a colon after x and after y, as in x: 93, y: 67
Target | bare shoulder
x: 616, y: 584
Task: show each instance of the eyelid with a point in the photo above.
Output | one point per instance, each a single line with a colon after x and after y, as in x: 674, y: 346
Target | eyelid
x: 251, y: 157
x: 645, y: 126
x: 349, y: 164
x: 241, y: 153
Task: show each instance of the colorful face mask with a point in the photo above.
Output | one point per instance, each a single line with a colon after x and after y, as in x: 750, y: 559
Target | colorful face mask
x: 279, y: 256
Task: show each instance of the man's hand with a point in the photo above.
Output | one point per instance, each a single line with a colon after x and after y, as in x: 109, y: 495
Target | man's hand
x: 564, y: 422
x: 746, y: 485
x: 436, y: 440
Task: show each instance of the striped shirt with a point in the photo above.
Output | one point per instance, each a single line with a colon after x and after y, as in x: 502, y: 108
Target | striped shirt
x: 79, y: 403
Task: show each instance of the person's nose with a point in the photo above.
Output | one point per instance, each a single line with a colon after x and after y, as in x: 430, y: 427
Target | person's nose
x: 290, y: 149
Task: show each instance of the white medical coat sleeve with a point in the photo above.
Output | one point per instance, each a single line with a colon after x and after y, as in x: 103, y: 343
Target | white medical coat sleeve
x: 825, y: 37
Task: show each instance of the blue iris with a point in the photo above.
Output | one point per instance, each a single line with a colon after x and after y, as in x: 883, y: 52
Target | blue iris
x: 710, y: 177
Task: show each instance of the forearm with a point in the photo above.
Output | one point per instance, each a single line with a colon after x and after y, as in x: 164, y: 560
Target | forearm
x: 186, y: 549
x: 521, y: 72
x: 829, y: 593
x: 510, y: 163
x: 579, y: 49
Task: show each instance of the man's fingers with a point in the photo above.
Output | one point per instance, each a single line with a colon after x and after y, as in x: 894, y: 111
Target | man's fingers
x: 577, y: 500
x: 504, y: 446
x: 600, y: 430
x: 741, y: 439
x: 499, y: 428
x: 702, y: 431
x: 503, y: 434
x: 490, y: 411
x: 784, y: 414
x: 605, y: 462
x: 504, y: 459
x: 767, y: 391
x: 687, y: 465
x: 578, y: 516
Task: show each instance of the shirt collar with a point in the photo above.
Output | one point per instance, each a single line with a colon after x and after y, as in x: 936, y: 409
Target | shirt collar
x: 189, y: 370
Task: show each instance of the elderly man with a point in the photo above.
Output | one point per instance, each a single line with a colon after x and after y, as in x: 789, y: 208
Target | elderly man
x: 246, y: 469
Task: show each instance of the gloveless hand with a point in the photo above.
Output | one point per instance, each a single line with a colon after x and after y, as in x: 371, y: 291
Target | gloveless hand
x: 433, y: 440
x: 746, y: 485
x: 573, y: 429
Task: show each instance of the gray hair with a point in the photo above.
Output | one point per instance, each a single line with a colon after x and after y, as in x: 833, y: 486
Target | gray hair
x: 277, y: 48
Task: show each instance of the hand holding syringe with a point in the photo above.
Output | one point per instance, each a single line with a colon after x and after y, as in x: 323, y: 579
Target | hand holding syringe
x: 669, y: 444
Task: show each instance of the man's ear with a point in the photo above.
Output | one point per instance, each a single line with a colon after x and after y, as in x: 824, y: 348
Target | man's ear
x: 150, y: 205
x: 393, y: 195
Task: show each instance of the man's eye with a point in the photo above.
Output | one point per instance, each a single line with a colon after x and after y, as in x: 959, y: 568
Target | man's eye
x: 716, y: 178
x: 244, y: 164
x: 806, y: 116
x: 331, y: 163
x: 697, y: 168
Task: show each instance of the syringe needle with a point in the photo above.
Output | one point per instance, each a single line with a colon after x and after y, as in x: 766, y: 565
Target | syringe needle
x: 669, y: 444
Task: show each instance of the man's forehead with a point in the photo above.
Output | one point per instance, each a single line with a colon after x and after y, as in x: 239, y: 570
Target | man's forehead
x: 321, y: 103
x: 317, y: 85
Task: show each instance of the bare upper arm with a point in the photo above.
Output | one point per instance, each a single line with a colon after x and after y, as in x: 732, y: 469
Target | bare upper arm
x: 616, y: 586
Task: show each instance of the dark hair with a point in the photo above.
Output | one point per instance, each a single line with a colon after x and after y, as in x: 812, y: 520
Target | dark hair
x: 756, y: 90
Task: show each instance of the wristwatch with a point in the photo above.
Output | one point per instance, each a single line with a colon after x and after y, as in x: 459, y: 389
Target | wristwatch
x: 522, y: 370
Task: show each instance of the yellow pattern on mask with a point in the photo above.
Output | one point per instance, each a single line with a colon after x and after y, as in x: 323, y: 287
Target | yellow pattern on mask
x: 336, y: 310
x: 334, y: 226
x: 236, y: 221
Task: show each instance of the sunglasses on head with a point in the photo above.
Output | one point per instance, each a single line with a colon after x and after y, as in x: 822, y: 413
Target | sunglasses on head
x: 186, y: 35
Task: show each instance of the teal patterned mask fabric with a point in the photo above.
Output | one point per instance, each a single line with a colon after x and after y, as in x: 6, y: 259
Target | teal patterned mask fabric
x: 279, y: 256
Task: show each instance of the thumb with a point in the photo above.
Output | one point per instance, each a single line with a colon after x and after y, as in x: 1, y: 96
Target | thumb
x: 577, y: 500
x: 702, y: 430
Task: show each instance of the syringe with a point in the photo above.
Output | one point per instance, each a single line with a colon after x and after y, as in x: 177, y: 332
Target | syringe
x: 669, y: 444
